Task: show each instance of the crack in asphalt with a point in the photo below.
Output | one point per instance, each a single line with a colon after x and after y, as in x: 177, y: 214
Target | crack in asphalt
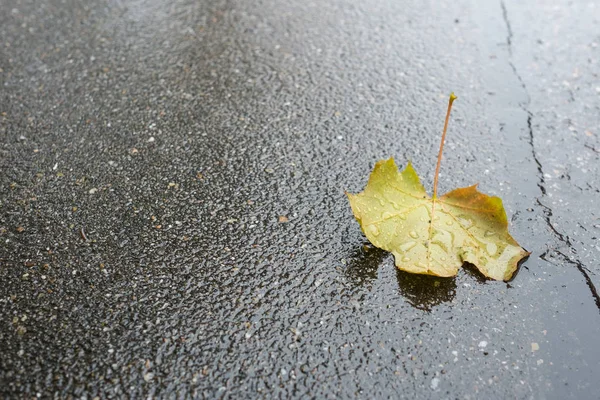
x: 509, y: 29
x: 541, y: 181
x: 525, y: 107
x: 547, y: 215
x: 584, y: 272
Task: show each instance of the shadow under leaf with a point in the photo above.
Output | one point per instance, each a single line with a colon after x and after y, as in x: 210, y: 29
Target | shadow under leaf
x: 422, y: 291
x: 474, y: 273
x: 425, y: 291
x: 364, y: 263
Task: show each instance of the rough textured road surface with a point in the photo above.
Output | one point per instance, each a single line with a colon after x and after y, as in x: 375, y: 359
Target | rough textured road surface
x: 172, y: 213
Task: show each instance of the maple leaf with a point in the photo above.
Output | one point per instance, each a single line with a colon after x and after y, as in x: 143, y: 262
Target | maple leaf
x: 431, y: 235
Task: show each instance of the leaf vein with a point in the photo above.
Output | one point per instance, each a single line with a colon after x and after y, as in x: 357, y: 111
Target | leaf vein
x: 405, y: 212
x: 461, y: 225
x: 405, y: 193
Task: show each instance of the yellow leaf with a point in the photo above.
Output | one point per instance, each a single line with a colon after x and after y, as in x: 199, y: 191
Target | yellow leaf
x: 435, y: 236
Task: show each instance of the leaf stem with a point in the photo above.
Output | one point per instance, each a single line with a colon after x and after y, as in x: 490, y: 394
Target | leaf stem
x: 439, y: 160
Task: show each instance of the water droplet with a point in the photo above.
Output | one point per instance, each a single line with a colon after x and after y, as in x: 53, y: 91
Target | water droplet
x: 489, y: 233
x: 407, y: 246
x: 466, y: 222
x: 436, y: 218
x: 406, y: 259
x: 401, y: 216
x: 422, y: 265
x: 373, y: 229
x: 443, y: 258
x: 449, y: 222
x: 491, y: 248
x: 413, y: 235
x: 387, y: 215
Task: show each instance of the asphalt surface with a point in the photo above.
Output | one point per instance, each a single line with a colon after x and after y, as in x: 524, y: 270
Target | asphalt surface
x: 172, y: 213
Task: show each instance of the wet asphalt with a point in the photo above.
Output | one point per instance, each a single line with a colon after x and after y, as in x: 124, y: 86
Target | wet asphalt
x: 173, y: 221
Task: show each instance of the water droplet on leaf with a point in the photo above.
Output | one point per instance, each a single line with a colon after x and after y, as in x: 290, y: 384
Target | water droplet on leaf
x: 373, y: 229
x: 466, y: 222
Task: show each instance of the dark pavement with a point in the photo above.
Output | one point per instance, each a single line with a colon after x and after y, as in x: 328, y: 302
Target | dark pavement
x: 172, y: 213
